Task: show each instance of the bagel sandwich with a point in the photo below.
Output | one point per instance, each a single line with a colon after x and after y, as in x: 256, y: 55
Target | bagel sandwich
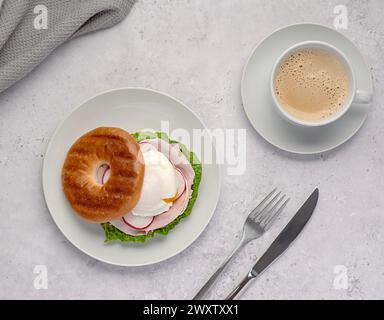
x: 136, y: 185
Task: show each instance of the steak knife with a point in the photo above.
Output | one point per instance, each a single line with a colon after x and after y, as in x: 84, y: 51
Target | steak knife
x: 281, y: 243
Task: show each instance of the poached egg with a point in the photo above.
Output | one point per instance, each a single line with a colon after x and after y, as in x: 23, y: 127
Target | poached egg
x: 160, y: 184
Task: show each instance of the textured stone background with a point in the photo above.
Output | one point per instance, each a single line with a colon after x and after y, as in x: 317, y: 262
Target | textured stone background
x: 195, y: 50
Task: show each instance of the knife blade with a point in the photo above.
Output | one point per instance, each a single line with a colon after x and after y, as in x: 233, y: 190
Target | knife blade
x: 289, y: 233
x: 283, y: 240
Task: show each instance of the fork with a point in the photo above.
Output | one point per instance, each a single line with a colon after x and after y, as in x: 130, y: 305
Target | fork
x: 257, y: 223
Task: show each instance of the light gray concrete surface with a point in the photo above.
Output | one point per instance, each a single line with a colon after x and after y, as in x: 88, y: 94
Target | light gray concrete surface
x: 195, y: 51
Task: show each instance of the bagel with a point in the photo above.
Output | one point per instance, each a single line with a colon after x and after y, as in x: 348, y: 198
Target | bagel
x: 92, y: 200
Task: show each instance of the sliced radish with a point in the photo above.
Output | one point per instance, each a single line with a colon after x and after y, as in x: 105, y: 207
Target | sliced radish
x: 181, y: 181
x: 106, y: 175
x: 137, y: 222
x: 122, y: 226
x: 101, y: 173
x: 186, y: 191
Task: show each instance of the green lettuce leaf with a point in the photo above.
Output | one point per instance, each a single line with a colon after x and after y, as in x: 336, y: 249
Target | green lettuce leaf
x: 112, y: 233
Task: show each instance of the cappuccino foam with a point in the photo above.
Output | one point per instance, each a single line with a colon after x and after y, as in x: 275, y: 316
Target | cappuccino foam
x: 312, y: 84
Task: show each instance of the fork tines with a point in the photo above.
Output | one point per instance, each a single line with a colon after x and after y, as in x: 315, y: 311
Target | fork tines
x: 268, y: 210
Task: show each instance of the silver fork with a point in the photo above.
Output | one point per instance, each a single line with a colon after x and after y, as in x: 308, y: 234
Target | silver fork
x: 257, y: 223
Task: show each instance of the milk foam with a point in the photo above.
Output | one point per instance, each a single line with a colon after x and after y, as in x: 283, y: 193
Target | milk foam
x: 312, y: 84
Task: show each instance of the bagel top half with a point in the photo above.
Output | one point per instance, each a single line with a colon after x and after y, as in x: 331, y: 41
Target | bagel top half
x: 121, y: 192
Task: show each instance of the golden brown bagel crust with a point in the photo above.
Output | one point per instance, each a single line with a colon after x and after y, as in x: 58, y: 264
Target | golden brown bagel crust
x: 120, y: 194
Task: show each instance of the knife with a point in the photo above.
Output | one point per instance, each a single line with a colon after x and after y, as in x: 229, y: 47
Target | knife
x: 281, y: 243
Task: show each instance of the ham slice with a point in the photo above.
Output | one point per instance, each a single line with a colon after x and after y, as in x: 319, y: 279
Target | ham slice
x: 175, y: 156
x: 183, y: 168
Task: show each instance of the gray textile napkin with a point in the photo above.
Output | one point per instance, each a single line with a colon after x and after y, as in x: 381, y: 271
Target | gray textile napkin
x: 23, y: 45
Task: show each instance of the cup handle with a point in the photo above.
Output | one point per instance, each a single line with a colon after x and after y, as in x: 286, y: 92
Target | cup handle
x: 362, y: 97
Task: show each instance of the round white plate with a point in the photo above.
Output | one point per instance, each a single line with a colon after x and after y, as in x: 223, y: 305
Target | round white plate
x: 132, y: 109
x: 257, y: 100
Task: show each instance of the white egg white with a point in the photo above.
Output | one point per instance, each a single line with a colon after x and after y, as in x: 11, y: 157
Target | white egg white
x: 159, y: 185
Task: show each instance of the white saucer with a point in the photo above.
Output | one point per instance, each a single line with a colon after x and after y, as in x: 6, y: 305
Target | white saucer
x: 133, y: 109
x: 257, y: 101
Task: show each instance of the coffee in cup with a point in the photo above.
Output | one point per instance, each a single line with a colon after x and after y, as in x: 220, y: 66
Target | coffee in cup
x: 312, y: 84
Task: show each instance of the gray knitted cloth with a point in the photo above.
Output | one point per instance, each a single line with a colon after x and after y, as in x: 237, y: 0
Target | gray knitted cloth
x: 31, y: 29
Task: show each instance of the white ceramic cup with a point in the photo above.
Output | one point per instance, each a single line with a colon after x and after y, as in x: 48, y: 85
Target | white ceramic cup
x: 356, y: 96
